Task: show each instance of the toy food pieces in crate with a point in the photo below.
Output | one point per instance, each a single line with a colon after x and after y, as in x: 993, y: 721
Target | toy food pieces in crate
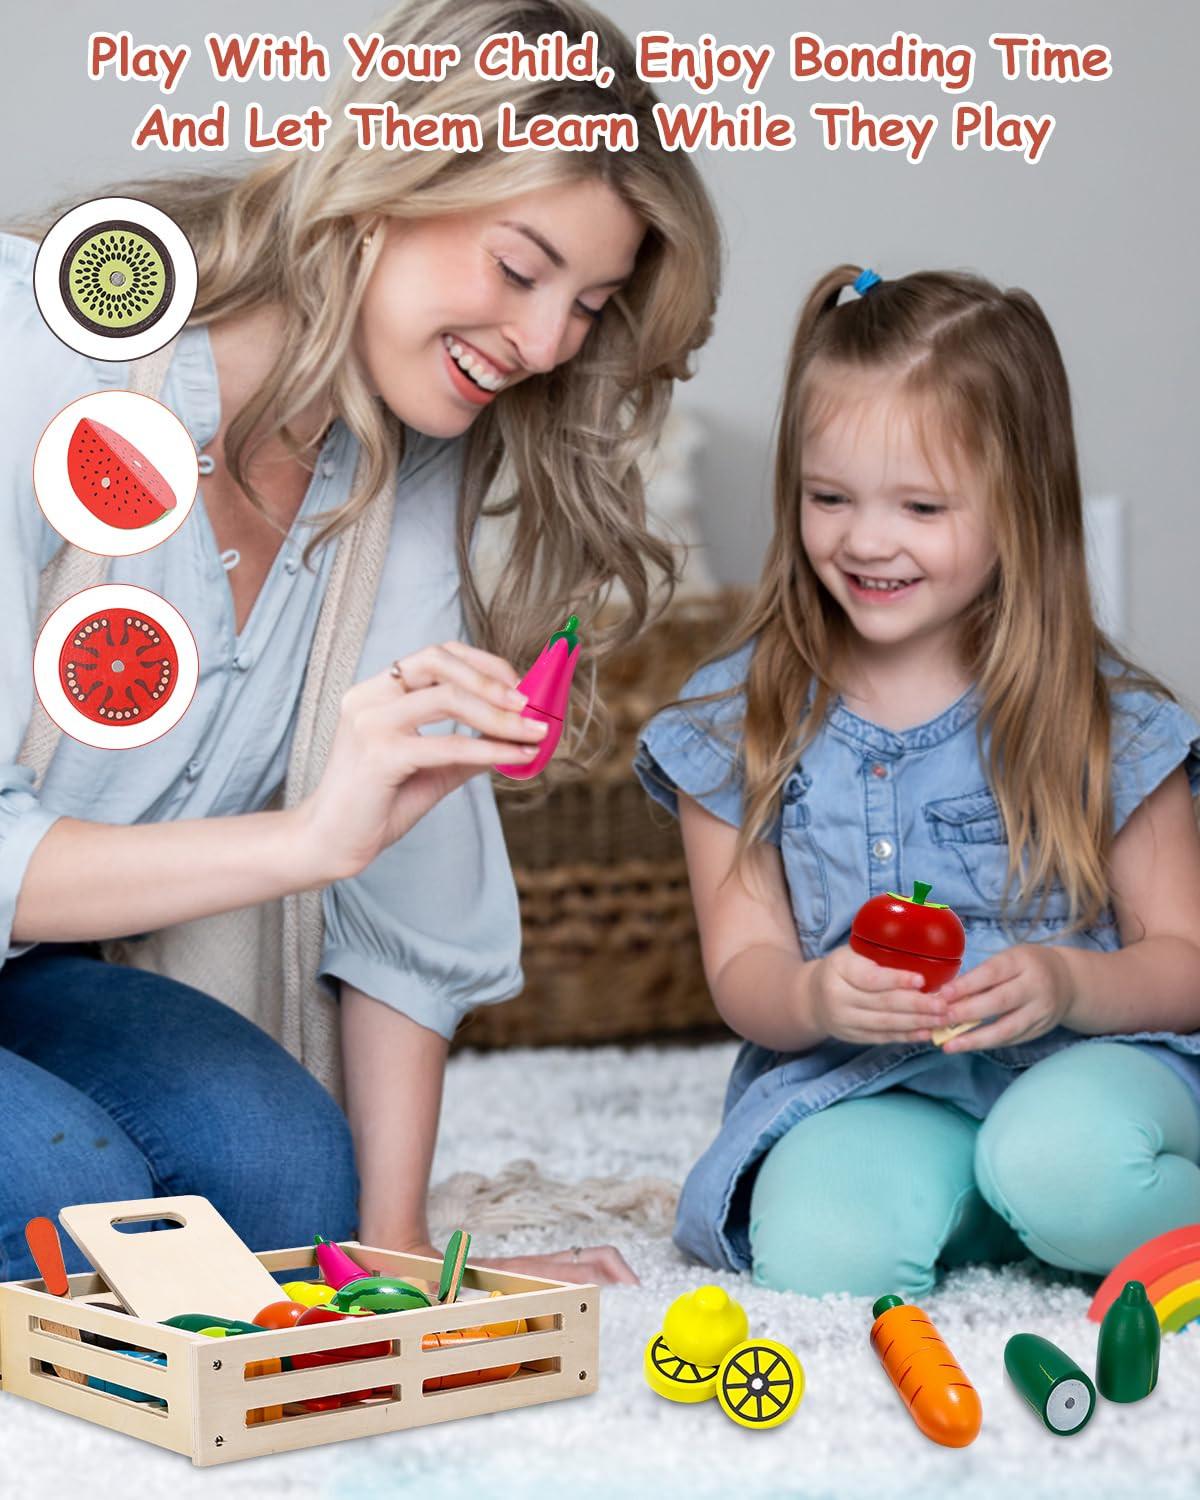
x: 261, y: 1367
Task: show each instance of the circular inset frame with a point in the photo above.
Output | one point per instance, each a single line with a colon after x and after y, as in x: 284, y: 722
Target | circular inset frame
x: 115, y: 279
x: 113, y: 603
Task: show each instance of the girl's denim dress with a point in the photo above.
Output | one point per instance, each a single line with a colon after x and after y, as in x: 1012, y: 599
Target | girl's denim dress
x: 868, y: 810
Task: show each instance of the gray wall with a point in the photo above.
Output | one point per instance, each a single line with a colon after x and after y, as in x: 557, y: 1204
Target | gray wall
x: 1102, y: 230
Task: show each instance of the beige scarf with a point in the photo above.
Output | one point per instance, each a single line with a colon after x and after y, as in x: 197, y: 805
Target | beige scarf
x: 261, y: 960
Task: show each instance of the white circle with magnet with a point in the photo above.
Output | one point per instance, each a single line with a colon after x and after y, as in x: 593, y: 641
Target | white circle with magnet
x: 1068, y: 1405
x: 115, y: 279
x: 116, y: 666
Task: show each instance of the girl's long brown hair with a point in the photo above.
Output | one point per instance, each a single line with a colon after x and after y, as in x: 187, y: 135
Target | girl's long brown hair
x: 570, y: 441
x: 986, y: 376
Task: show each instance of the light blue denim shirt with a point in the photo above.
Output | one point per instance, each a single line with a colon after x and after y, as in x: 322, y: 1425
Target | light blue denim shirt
x: 868, y: 810
x: 431, y: 927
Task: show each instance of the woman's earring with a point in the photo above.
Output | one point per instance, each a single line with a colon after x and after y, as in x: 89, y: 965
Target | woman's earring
x: 365, y: 243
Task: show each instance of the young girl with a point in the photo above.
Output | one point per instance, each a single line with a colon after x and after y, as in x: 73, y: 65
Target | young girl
x: 919, y: 692
x: 376, y: 333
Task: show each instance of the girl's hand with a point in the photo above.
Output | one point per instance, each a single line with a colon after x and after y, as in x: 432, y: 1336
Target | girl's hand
x: 598, y: 1265
x: 1023, y: 993
x: 857, y: 1000
x: 382, y: 775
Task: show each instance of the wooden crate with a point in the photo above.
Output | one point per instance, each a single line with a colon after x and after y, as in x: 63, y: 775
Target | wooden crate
x: 210, y: 1398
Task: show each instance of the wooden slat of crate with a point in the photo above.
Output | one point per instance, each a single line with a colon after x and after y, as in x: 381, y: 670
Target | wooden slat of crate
x: 24, y: 1346
x: 225, y: 1397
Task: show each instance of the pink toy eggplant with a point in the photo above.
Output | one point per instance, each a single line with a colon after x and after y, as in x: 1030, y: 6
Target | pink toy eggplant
x: 336, y: 1266
x: 547, y: 685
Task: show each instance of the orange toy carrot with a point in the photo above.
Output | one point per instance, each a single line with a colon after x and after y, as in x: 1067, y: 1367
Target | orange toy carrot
x: 470, y: 1335
x: 941, y: 1400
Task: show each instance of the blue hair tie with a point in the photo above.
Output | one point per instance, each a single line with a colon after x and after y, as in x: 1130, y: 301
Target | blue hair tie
x: 865, y: 281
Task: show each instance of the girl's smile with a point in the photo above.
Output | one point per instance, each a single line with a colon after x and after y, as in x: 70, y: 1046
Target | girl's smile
x: 879, y: 590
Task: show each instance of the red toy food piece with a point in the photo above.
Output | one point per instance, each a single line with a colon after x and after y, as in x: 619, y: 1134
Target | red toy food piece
x: 280, y: 1314
x: 118, y: 666
x: 902, y: 932
x: 115, y: 480
x: 336, y: 1357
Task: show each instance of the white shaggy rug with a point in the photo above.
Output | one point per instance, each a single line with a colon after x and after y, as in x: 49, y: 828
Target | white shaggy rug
x: 648, y: 1113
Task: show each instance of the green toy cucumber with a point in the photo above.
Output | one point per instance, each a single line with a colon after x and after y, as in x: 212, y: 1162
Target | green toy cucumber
x: 1051, y: 1382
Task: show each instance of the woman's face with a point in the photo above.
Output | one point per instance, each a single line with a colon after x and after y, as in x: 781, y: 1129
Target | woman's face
x: 509, y: 291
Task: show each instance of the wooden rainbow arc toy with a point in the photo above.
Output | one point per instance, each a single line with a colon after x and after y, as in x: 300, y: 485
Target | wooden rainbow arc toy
x: 1168, y: 1266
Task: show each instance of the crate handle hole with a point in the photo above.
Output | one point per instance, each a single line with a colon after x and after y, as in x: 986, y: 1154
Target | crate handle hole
x: 146, y: 1223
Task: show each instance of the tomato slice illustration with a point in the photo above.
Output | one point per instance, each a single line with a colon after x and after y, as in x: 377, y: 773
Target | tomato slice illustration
x: 118, y: 666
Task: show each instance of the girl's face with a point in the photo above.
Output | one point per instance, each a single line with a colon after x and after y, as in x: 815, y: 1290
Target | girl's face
x: 463, y: 306
x: 903, y: 547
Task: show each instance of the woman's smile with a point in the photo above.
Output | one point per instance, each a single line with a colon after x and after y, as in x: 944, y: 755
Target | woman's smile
x: 469, y: 387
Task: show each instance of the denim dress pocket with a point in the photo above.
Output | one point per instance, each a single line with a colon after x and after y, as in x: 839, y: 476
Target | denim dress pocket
x: 971, y: 830
x: 803, y: 863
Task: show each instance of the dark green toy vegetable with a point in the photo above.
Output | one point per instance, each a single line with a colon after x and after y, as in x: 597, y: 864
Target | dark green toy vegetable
x: 1051, y: 1382
x: 1127, y: 1354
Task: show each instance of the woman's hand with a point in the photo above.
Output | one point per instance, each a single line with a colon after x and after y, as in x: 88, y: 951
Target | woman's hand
x: 383, y: 775
x: 1023, y: 993
x: 857, y: 1000
x: 594, y: 1265
x: 599, y: 1265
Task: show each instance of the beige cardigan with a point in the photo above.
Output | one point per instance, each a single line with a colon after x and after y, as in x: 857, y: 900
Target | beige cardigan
x: 261, y: 960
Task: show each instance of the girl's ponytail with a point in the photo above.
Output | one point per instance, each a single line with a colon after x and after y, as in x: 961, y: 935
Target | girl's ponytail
x: 821, y: 300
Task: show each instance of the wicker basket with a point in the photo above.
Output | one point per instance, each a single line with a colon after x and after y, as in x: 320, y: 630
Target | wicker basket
x: 610, y: 950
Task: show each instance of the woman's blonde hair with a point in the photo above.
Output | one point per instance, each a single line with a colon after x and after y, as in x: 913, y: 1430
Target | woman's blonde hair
x: 986, y: 379
x: 290, y: 232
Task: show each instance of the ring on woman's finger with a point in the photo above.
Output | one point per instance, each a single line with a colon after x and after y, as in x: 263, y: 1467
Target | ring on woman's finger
x: 397, y: 671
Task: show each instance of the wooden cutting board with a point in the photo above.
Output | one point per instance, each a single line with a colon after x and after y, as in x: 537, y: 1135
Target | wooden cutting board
x: 200, y: 1267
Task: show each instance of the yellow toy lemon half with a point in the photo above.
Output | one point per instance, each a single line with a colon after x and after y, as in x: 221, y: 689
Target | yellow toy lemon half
x: 310, y: 1293
x: 760, y: 1383
x: 703, y: 1325
x: 677, y: 1379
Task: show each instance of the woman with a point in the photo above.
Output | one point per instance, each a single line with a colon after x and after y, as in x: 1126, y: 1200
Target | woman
x: 361, y: 316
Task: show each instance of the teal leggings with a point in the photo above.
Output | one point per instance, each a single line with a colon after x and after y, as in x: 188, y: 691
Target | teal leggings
x: 1089, y: 1153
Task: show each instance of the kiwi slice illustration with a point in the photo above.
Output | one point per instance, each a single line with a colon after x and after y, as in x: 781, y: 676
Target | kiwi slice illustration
x: 117, y: 278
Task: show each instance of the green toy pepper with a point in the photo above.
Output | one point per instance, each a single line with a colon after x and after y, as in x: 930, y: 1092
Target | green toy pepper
x: 198, y: 1322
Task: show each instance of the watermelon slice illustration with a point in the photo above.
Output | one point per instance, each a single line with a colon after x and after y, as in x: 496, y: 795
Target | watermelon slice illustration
x: 118, y: 666
x: 117, y: 482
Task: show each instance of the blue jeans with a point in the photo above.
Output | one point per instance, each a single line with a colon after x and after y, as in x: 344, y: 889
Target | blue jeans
x: 118, y: 1084
x: 1085, y: 1156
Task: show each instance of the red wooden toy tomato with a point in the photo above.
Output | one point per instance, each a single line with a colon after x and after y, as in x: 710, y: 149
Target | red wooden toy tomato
x: 118, y: 666
x: 280, y: 1314
x: 908, y: 932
